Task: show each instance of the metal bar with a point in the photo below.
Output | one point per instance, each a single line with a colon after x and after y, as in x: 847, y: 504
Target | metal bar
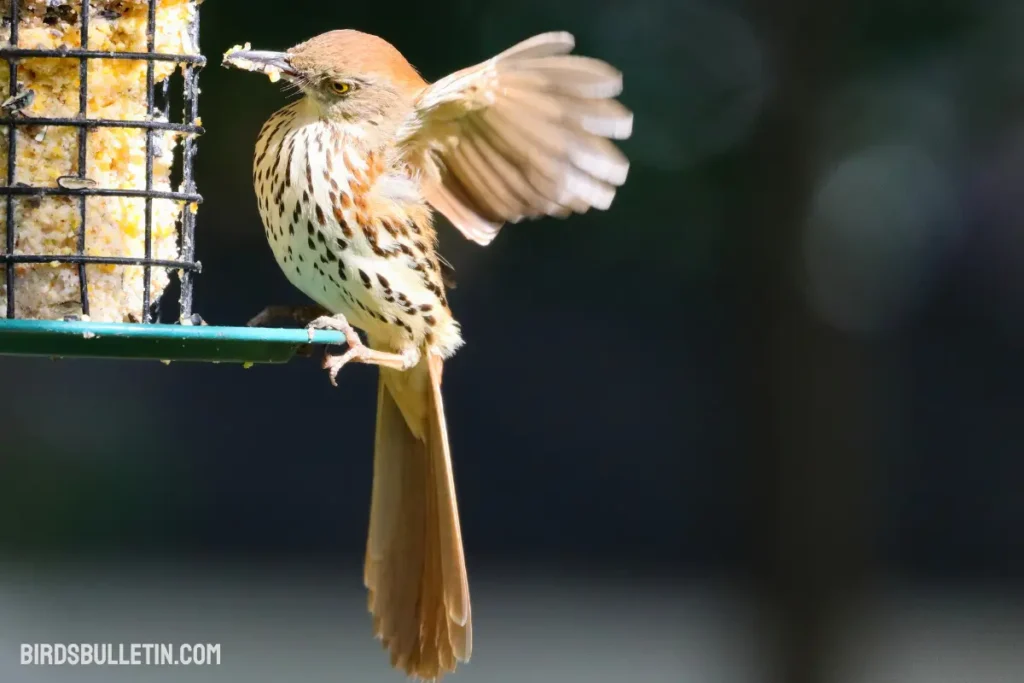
x: 99, y: 123
x: 83, y: 110
x: 158, y: 341
x: 12, y: 151
x: 28, y: 190
x: 195, y: 266
x: 148, y: 272
x: 165, y: 113
x: 188, y: 219
x: 99, y: 54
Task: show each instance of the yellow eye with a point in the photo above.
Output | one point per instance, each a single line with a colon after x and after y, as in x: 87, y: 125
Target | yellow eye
x: 340, y: 87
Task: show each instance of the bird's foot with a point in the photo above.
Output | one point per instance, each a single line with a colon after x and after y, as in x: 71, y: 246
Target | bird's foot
x: 357, y: 351
x: 194, y: 320
x: 300, y: 314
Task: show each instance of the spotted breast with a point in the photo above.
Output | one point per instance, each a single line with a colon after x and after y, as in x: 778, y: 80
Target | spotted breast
x: 352, y: 231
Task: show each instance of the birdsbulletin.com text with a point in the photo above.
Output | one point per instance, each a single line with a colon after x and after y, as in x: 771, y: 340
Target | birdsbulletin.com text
x: 120, y: 654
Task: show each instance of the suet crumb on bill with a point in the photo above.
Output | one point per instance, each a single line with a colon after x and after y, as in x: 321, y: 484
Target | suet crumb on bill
x: 248, y: 65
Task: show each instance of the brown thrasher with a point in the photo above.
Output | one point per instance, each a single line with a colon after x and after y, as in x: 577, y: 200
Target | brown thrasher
x: 347, y: 179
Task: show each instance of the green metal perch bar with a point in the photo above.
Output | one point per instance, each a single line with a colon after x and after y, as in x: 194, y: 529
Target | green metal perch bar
x: 60, y: 339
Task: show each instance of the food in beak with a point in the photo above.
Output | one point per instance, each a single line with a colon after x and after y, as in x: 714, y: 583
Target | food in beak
x: 243, y: 57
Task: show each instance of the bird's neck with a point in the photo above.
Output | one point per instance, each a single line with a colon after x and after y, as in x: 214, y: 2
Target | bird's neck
x: 370, y: 157
x: 376, y: 133
x: 342, y: 153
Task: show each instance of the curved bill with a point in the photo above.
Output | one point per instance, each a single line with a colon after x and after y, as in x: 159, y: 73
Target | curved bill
x: 275, y: 65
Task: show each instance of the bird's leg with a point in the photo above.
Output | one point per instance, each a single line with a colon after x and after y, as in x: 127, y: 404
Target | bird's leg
x: 300, y: 314
x: 357, y: 351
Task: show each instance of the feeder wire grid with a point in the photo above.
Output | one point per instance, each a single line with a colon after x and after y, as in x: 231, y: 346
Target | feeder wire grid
x: 126, y: 340
x: 186, y: 265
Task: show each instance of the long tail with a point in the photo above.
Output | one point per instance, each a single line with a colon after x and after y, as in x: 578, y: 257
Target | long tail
x: 415, y: 569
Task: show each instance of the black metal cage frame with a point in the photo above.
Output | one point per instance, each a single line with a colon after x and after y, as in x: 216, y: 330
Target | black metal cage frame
x: 192, y: 64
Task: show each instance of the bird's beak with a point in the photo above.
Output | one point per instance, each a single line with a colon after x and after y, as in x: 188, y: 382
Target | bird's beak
x: 273, y: 64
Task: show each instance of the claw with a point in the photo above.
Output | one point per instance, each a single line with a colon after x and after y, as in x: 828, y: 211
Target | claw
x: 195, y: 320
x: 336, y: 323
x: 357, y: 351
x: 300, y: 314
x: 356, y: 348
x: 334, y: 364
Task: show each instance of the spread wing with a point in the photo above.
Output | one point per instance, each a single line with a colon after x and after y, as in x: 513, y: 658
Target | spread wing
x: 523, y: 135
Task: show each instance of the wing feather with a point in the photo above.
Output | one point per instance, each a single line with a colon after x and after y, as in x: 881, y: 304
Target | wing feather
x: 524, y: 135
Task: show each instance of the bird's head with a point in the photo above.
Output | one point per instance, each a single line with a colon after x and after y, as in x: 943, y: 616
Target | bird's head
x: 348, y: 75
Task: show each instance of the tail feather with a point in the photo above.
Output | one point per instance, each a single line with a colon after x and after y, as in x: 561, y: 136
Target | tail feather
x: 415, y: 568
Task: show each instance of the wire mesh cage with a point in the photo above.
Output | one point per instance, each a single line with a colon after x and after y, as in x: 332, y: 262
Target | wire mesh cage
x: 38, y: 244
x: 98, y: 199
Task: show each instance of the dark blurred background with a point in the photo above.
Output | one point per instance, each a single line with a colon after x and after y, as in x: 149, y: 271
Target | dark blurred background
x: 761, y: 421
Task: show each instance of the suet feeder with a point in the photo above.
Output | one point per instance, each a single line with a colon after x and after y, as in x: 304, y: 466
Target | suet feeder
x: 97, y: 197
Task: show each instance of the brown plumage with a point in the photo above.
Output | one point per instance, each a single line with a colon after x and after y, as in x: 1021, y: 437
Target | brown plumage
x: 347, y: 179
